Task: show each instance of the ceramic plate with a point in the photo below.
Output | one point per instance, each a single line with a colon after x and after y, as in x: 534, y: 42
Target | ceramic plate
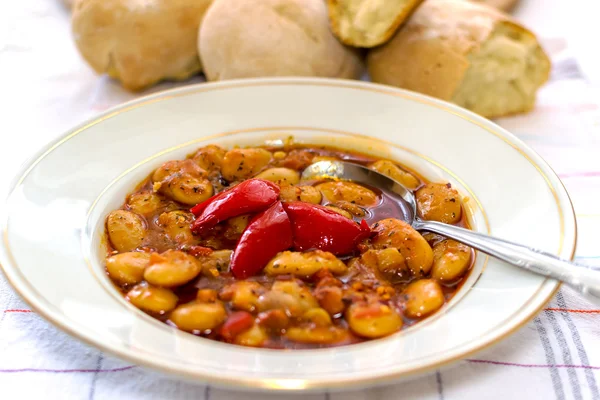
x: 53, y: 219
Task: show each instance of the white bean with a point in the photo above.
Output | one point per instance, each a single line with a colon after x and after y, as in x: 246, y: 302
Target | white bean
x: 348, y: 191
x: 439, y: 202
x: 151, y: 298
x: 373, y: 320
x: 391, y: 170
x: 414, y: 248
x: 172, y: 268
x: 126, y: 230
x: 304, y: 264
x: 423, y: 298
x: 127, y: 268
x: 240, y: 164
x: 451, y: 260
x: 280, y: 176
x: 197, y: 316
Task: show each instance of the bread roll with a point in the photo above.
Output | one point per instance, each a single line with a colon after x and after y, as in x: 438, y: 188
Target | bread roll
x: 139, y: 42
x: 504, y: 5
x: 242, y: 39
x: 467, y: 53
x: 368, y: 23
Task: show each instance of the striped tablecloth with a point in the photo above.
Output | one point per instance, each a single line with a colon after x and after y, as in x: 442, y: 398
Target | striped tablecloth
x: 45, y: 88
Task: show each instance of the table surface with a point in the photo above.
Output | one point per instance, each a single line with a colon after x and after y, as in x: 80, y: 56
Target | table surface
x: 47, y: 88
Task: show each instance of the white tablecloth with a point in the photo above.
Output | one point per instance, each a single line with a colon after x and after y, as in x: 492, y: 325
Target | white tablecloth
x: 45, y: 88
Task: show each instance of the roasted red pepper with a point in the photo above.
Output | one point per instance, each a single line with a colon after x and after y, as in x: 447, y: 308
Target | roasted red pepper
x: 250, y: 196
x: 199, y: 251
x: 267, y: 234
x: 236, y: 323
x: 317, y: 227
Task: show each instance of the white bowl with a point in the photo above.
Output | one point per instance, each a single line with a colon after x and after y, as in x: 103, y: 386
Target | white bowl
x: 54, y: 219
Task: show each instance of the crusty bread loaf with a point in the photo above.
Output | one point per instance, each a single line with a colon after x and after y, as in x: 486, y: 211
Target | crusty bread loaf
x: 368, y: 23
x: 467, y: 53
x: 504, y: 5
x: 242, y: 39
x: 139, y: 42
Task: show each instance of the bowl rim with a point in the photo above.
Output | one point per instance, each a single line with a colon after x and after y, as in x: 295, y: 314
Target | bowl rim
x: 54, y: 317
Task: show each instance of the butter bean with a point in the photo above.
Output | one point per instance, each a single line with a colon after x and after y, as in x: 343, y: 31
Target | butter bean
x: 340, y: 211
x: 316, y: 335
x: 308, y: 194
x: 389, y: 262
x: 151, y: 298
x: 414, y: 248
x: 172, y: 268
x: 177, y: 167
x: 304, y: 264
x: 281, y: 176
x: 391, y: 170
x: 126, y: 230
x: 317, y: 316
x: 243, y: 295
x: 373, y: 320
x: 347, y: 191
x: 451, y: 260
x: 188, y: 190
x: 145, y: 203
x: 177, y: 226
x: 183, y: 181
x: 253, y: 337
x: 288, y: 296
x: 423, y: 298
x: 197, y: 316
x: 127, y: 268
x: 439, y: 202
x: 209, y: 157
x: 240, y: 164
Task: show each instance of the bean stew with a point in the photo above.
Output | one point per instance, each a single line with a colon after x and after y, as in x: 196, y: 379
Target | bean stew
x: 233, y: 246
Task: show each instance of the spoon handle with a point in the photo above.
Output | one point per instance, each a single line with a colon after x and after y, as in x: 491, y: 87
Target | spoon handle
x: 583, y: 278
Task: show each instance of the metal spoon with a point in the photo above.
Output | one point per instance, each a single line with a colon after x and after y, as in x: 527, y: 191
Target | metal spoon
x: 584, y: 279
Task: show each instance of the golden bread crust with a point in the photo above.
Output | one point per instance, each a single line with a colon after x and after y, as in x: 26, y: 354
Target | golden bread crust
x: 504, y: 5
x: 368, y: 23
x: 464, y: 52
x: 242, y: 39
x: 139, y: 42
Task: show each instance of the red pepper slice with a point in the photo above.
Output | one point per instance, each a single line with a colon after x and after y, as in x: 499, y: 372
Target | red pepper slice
x: 199, y: 251
x: 317, y: 227
x: 267, y: 234
x: 250, y: 196
x: 236, y: 323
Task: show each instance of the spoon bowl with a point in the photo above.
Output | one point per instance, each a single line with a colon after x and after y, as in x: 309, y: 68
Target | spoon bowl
x: 582, y: 278
x: 347, y: 171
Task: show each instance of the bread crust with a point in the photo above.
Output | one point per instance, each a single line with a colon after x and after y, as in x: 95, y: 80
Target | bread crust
x: 334, y: 7
x: 242, y: 39
x: 431, y: 53
x: 139, y: 42
x: 504, y: 5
